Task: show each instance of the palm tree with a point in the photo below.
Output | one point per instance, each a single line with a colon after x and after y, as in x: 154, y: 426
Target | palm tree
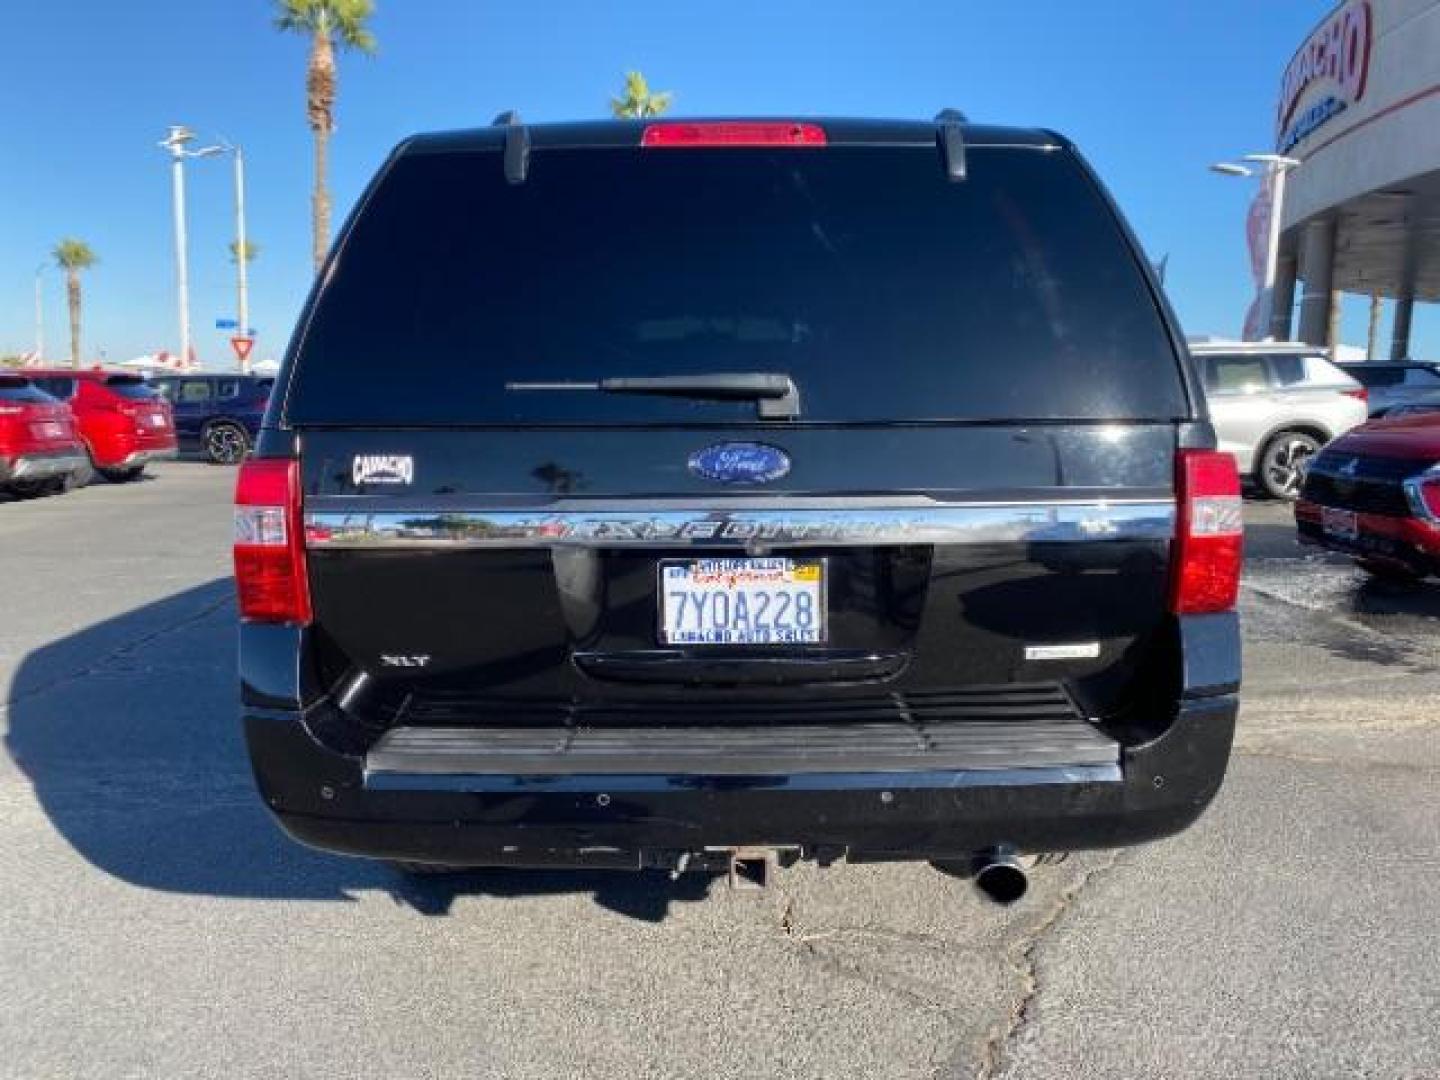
x: 327, y: 23
x: 73, y: 256
x: 638, y: 102
x: 251, y: 253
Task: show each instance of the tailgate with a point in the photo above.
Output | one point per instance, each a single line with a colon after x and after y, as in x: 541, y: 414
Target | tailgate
x: 517, y: 577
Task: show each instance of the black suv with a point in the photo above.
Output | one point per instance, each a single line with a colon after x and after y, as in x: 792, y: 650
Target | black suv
x: 681, y: 494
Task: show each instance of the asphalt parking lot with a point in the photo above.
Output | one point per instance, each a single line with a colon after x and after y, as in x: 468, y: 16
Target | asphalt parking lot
x: 153, y: 922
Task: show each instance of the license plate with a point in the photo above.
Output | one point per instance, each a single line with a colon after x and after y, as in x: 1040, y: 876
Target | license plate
x: 751, y: 601
x: 158, y: 420
x: 48, y: 429
x: 1341, y: 524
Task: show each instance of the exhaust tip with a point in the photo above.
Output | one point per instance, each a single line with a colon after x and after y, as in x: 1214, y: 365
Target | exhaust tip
x: 1001, y: 878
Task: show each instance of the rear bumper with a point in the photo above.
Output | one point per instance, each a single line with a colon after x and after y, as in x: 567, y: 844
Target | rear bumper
x: 41, y: 465
x: 140, y: 458
x: 1403, y: 541
x: 331, y: 801
x: 130, y: 450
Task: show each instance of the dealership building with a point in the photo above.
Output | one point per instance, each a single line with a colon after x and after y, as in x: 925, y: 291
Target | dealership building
x: 1359, y: 109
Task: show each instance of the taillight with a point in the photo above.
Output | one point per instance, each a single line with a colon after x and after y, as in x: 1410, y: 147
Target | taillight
x: 1209, y: 534
x: 269, y: 543
x: 1423, y: 491
x: 1359, y: 393
x: 729, y: 133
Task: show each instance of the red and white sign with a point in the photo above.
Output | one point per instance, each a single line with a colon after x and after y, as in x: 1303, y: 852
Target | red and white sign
x: 1336, y: 56
x: 242, y: 347
x: 1257, y: 237
x: 1257, y: 229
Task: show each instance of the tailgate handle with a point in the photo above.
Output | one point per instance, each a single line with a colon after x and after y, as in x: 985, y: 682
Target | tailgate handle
x: 673, y: 667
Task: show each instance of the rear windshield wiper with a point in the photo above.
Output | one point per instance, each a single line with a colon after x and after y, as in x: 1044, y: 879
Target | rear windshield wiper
x: 775, y: 396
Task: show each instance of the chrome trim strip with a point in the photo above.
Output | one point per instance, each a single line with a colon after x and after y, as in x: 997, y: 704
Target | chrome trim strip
x: 43, y: 466
x: 668, y: 526
x: 381, y: 780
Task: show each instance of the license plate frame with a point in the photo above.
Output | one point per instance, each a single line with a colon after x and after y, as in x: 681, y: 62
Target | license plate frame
x: 687, y: 637
x: 1340, y: 524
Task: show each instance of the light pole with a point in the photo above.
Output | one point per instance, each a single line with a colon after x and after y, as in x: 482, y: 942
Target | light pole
x: 175, y: 143
x: 1276, y: 167
x: 39, y: 315
x: 242, y: 254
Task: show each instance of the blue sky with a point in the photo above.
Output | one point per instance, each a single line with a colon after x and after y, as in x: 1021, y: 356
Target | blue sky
x: 1151, y: 91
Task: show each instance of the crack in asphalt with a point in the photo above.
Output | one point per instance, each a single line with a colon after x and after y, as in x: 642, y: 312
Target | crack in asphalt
x: 99, y: 665
x: 1020, y: 955
x: 1022, y: 960
x: 920, y: 993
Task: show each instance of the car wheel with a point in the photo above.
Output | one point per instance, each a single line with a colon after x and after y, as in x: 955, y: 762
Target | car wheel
x: 1282, y: 464
x: 226, y: 444
x: 122, y: 476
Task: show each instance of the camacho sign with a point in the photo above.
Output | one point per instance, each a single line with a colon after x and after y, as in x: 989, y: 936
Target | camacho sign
x: 1335, y: 57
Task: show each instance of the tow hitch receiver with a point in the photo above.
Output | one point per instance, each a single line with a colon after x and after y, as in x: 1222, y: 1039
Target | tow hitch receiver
x: 751, y: 868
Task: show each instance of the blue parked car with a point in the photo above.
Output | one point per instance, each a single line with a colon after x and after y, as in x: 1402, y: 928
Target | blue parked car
x: 217, y: 414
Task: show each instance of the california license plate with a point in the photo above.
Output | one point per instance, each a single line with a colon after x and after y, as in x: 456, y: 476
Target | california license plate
x: 748, y: 601
x: 48, y: 429
x: 1341, y: 524
x: 157, y: 420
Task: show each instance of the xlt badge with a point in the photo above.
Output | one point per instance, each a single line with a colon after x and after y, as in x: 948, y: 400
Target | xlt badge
x: 382, y: 469
x: 740, y: 463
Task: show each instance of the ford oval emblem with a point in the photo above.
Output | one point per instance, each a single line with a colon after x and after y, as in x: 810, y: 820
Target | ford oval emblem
x: 740, y: 463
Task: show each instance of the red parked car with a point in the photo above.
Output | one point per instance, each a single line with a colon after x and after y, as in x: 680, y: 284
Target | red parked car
x: 40, y: 450
x: 124, y: 421
x: 1374, y: 493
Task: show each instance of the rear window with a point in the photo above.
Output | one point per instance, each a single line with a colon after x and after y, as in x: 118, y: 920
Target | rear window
x: 56, y: 386
x: 1383, y: 375
x: 884, y: 291
x: 194, y: 391
x: 131, y: 386
x: 1375, y: 376
x: 22, y: 391
x: 1236, y: 374
x: 1293, y: 370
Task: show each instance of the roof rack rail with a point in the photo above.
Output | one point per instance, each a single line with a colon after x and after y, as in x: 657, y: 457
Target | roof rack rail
x: 517, y: 146
x: 952, y: 143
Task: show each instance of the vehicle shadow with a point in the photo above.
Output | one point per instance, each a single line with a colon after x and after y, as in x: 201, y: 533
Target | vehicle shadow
x: 127, y: 731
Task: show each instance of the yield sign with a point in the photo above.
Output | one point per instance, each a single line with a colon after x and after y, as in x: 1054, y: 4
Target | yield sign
x: 242, y: 347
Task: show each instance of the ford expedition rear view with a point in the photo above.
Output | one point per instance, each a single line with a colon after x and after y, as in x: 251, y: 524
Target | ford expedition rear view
x: 662, y: 495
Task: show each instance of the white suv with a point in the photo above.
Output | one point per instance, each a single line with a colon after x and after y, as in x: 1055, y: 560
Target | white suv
x: 1274, y: 404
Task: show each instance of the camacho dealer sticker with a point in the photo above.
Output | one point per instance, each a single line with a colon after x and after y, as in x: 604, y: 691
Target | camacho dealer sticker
x: 382, y: 469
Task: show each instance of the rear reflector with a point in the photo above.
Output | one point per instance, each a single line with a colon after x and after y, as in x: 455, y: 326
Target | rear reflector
x: 723, y: 133
x: 269, y: 547
x: 1209, y: 535
x: 1359, y: 393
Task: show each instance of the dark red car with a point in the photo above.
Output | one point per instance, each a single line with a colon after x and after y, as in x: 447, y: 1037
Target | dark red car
x: 40, y: 450
x: 124, y: 421
x: 1374, y: 493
